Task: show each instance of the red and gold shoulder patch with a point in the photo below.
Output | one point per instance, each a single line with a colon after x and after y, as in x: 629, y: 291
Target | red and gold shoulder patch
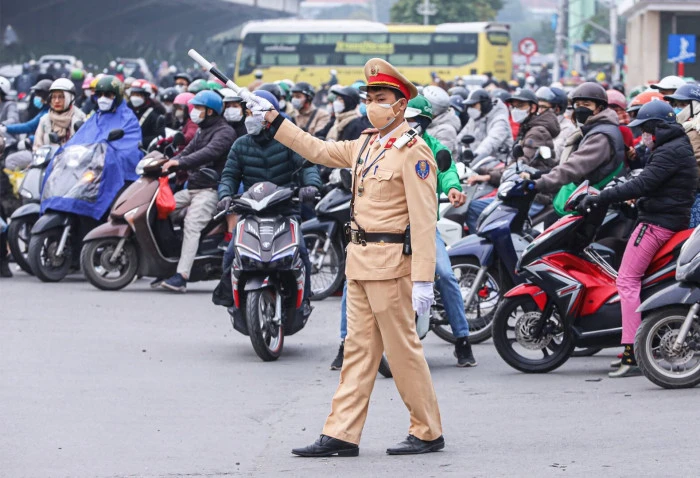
x: 412, y: 142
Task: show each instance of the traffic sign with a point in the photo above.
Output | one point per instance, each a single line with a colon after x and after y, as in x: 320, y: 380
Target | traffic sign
x: 527, y: 47
x: 681, y: 48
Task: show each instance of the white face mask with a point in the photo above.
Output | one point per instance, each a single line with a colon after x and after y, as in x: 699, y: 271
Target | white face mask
x: 104, y: 103
x: 338, y: 106
x: 180, y: 115
x: 283, y: 104
x: 233, y: 114
x: 297, y: 103
x: 253, y: 124
x: 168, y: 108
x: 137, y: 101
x: 196, y: 116
x: 519, y: 115
x: 180, y: 88
x: 648, y: 140
x: 474, y: 113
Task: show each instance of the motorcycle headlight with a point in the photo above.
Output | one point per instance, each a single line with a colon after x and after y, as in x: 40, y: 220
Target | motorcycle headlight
x: 41, y: 156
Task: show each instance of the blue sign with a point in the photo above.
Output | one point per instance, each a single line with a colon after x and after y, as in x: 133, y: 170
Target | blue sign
x: 681, y: 48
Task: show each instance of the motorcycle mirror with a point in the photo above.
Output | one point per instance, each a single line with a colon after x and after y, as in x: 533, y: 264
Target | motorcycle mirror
x: 115, y: 134
x: 518, y: 151
x: 545, y: 152
x: 467, y: 156
x: 468, y: 139
x: 78, y: 125
x: 346, y: 178
x: 444, y: 160
x: 53, y: 137
x: 178, y: 140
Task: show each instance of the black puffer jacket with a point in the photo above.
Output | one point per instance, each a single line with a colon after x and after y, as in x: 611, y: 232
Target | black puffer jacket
x: 208, y: 149
x: 666, y: 186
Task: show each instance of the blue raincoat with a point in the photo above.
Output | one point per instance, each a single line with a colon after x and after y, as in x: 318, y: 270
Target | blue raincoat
x: 86, y: 174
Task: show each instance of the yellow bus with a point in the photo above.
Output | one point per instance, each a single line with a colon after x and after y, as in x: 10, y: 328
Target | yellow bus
x: 306, y: 50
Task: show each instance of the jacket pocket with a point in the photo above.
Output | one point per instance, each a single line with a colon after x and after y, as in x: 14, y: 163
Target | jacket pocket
x: 378, y: 184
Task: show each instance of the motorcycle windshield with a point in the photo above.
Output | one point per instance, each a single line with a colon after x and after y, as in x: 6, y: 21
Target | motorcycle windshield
x: 77, y: 173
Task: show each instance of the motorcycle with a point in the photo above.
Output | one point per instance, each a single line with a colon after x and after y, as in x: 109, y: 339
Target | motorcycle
x: 667, y: 344
x: 267, y: 275
x: 567, y: 297
x: 135, y: 242
x: 24, y: 217
x: 56, y: 237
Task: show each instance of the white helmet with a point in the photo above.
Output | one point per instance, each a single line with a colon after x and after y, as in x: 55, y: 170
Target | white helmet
x: 5, y: 86
x: 228, y: 95
x: 68, y: 89
x: 438, y: 98
x: 671, y: 82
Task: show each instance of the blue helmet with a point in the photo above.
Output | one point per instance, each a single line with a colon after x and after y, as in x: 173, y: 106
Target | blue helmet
x: 686, y: 92
x: 457, y: 102
x: 654, y: 111
x: 269, y: 97
x: 560, y: 99
x: 208, y: 99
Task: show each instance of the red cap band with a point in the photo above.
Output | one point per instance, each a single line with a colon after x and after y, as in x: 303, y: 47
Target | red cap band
x: 382, y: 79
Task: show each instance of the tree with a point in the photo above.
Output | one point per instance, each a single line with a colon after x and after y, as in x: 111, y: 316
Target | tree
x: 404, y: 11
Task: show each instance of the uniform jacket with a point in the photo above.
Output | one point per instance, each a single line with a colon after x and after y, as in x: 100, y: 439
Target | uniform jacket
x: 207, y: 149
x: 444, y: 128
x: 258, y: 158
x: 394, y: 196
x: 312, y: 122
x: 666, y: 186
x: 493, y: 135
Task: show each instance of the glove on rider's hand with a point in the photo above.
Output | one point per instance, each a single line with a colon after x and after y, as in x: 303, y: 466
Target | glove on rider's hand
x: 308, y: 193
x: 588, y: 203
x: 423, y: 297
x: 529, y: 186
x: 224, y: 204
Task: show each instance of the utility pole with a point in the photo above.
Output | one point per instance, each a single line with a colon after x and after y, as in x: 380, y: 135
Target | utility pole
x: 426, y: 9
x: 562, y: 17
x: 613, y: 40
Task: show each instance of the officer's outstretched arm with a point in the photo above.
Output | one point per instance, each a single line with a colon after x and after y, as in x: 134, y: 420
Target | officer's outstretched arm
x: 420, y: 181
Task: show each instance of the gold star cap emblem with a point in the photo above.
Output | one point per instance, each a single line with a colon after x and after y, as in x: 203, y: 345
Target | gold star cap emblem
x: 374, y: 70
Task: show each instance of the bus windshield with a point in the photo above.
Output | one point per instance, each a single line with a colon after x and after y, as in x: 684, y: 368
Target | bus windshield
x: 355, y: 49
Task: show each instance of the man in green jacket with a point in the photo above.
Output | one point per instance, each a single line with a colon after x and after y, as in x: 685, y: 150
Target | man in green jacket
x: 419, y: 115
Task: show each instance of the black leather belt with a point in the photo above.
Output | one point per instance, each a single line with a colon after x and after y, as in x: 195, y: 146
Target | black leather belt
x: 362, y: 237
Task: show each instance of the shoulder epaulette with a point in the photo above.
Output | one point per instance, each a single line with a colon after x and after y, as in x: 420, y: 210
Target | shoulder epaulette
x: 370, y: 131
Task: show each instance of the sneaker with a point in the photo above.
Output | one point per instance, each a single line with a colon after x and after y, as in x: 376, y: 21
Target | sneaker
x: 338, y: 362
x: 615, y: 364
x: 626, y: 371
x: 463, y: 353
x: 176, y: 283
x: 156, y: 283
x: 306, y: 308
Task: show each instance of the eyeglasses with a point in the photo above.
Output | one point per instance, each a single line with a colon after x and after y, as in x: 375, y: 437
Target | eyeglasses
x: 107, y: 94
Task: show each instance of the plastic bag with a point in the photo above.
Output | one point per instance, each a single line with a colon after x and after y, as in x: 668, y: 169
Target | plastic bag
x: 165, y: 201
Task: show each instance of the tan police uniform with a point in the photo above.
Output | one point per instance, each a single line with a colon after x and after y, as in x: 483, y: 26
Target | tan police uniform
x: 394, y: 186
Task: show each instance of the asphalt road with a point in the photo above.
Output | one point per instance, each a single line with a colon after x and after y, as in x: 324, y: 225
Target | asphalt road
x: 142, y: 383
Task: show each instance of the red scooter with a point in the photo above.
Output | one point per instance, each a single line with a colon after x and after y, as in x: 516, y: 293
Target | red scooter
x: 570, y: 298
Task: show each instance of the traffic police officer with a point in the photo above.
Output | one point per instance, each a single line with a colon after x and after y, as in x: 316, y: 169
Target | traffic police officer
x: 394, y: 186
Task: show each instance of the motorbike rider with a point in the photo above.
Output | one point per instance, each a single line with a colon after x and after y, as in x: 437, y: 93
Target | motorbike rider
x: 535, y: 131
x: 445, y: 124
x: 488, y: 124
x: 23, y: 157
x: 345, y: 110
x: 286, y: 101
x: 665, y: 191
x: 182, y: 81
x: 63, y: 114
x: 234, y: 111
x: 559, y: 104
x: 258, y: 157
x: 361, y: 123
x: 668, y: 85
x: 143, y: 106
x: 8, y: 108
x: 596, y: 151
x: 208, y: 148
x: 167, y: 97
x: 307, y: 116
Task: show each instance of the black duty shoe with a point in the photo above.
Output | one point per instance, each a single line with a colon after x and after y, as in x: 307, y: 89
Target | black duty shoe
x: 338, y: 362
x: 328, y: 446
x: 306, y: 308
x: 415, y: 446
x: 5, y: 268
x: 463, y: 353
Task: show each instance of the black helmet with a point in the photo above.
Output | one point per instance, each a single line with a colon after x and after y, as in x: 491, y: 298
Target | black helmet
x: 351, y: 97
x: 526, y: 96
x: 501, y: 94
x: 686, y: 92
x: 590, y: 91
x: 168, y: 95
x: 561, y: 100
x: 184, y: 76
x: 272, y: 88
x: 654, y: 111
x: 459, y: 90
x: 41, y: 88
x: 619, y: 87
x: 305, y: 88
x: 482, y: 97
x: 110, y: 84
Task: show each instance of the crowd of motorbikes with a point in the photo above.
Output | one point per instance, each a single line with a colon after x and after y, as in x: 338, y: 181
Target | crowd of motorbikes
x: 543, y: 287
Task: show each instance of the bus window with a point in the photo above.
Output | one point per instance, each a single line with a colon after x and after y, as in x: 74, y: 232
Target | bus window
x: 281, y: 59
x: 410, y: 38
x: 359, y: 60
x: 441, y: 59
x: 366, y: 37
x: 248, y: 61
x: 462, y: 59
x: 279, y: 39
x: 498, y: 38
x: 406, y: 59
x: 321, y: 38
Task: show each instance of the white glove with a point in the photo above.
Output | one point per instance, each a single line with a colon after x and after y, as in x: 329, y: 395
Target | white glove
x: 423, y: 297
x: 258, y: 104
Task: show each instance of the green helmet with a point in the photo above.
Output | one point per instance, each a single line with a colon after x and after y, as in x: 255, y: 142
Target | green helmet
x: 77, y: 74
x: 419, y: 106
x: 213, y: 85
x: 196, y: 86
x: 110, y: 84
x: 286, y: 89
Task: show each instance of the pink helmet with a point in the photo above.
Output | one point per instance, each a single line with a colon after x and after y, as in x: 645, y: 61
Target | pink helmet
x: 86, y: 82
x: 184, y: 99
x: 615, y: 98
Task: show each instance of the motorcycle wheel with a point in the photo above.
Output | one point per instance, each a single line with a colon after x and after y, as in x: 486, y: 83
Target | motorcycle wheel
x: 585, y: 352
x: 384, y: 368
x: 18, y: 236
x: 511, y: 323
x: 326, y: 280
x: 653, y: 349
x: 95, y: 262
x: 42, y: 256
x: 266, y: 336
x: 483, y: 307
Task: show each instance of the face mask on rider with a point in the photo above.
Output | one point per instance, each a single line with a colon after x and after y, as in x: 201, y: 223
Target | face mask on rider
x: 180, y: 88
x: 283, y: 105
x: 338, y: 106
x: 233, y: 114
x: 378, y: 114
x: 179, y: 115
x: 363, y: 109
x: 581, y: 114
x: 168, y: 108
x: 519, y: 115
x: 648, y: 140
x: 197, y: 116
x: 474, y: 113
x: 104, y: 103
x: 38, y: 103
x: 297, y: 103
x: 254, y: 124
x: 137, y: 101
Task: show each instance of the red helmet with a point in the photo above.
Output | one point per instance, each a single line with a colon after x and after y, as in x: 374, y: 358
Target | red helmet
x: 184, y: 99
x: 141, y: 86
x: 643, y: 98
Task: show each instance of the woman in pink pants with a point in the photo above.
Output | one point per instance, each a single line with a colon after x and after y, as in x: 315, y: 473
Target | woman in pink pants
x: 665, y: 192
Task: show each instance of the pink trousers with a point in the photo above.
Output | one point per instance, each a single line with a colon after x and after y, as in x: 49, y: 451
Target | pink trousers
x: 644, y: 242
